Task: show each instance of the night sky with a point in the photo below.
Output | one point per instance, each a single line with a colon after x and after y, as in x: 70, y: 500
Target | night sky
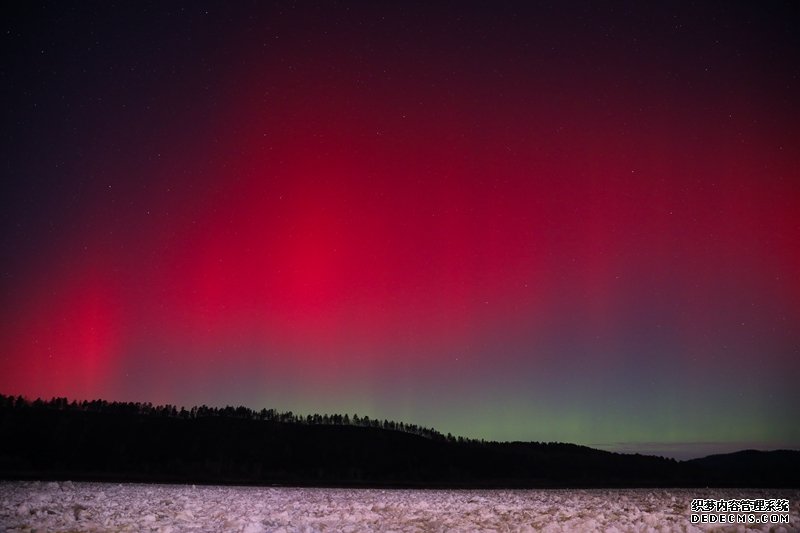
x: 564, y: 222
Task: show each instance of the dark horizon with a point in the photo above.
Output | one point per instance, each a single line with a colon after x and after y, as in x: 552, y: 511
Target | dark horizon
x: 125, y: 442
x: 353, y: 419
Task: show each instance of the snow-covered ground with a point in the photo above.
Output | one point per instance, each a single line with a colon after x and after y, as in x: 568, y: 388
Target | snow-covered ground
x: 69, y: 507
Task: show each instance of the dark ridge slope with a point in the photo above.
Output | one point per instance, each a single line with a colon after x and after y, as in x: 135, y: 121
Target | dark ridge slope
x: 77, y: 444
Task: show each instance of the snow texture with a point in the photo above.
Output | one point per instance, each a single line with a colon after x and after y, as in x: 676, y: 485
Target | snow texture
x: 69, y: 507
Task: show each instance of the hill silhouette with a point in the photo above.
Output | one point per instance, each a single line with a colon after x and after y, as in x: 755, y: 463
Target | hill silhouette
x: 117, y: 441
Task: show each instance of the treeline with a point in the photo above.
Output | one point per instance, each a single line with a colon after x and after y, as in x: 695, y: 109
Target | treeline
x: 118, y: 441
x: 204, y: 411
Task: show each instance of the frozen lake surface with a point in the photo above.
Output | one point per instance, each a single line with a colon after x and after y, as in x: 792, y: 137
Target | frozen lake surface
x: 67, y: 506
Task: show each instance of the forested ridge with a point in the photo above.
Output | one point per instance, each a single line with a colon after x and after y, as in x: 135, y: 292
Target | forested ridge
x: 123, y: 441
x: 204, y: 411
